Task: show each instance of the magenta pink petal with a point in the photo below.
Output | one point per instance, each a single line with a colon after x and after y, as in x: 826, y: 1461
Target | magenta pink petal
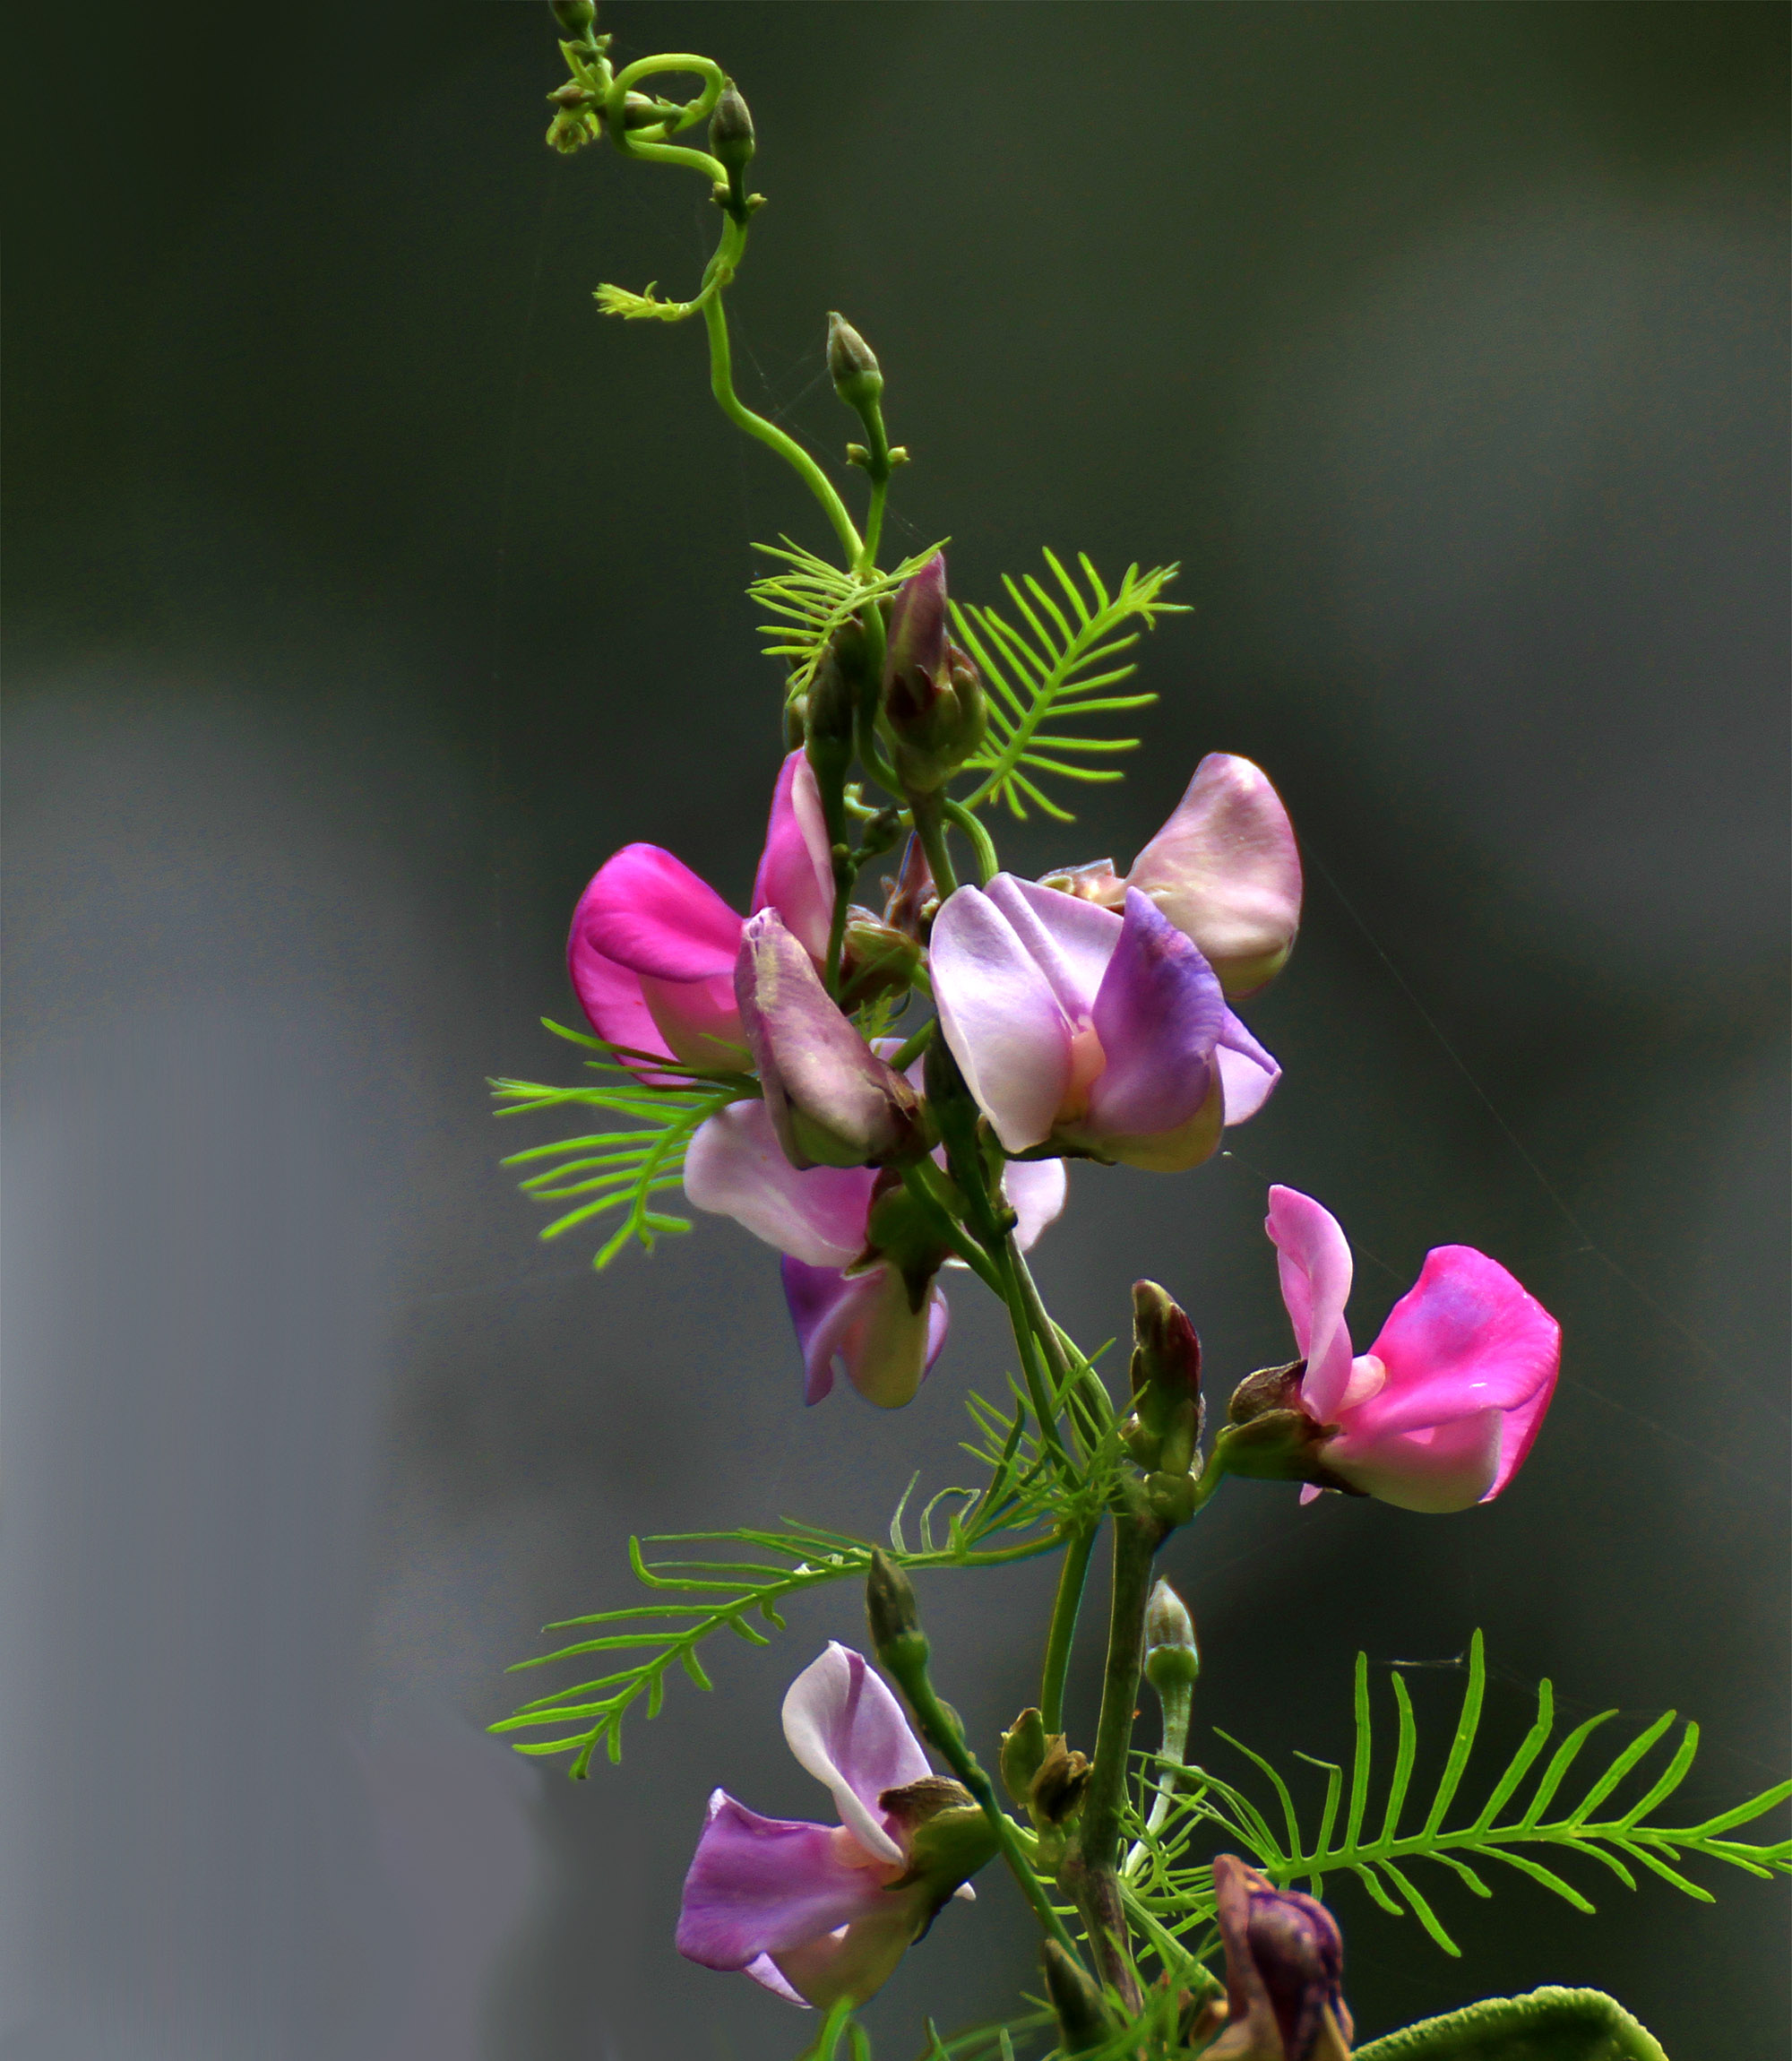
x: 1518, y: 1430
x: 611, y: 998
x: 795, y: 869
x: 1011, y: 1038
x: 847, y: 1728
x: 1313, y: 1258
x: 647, y: 910
x: 1465, y: 1338
x: 1444, y: 1467
x: 762, y: 1886
x: 735, y: 1168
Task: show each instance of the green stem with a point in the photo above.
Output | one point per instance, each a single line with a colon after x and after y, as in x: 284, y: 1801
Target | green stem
x: 1097, y: 1407
x: 721, y: 384
x: 943, y: 1734
x: 1089, y: 1870
x: 921, y: 1178
x: 913, y: 1046
x: 1008, y: 1286
x: 1072, y: 1578
x: 1179, y: 1704
x: 846, y: 878
x: 987, y: 863
x: 928, y: 813
x: 873, y: 523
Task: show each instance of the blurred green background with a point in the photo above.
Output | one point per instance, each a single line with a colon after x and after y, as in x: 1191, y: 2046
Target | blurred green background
x: 365, y: 590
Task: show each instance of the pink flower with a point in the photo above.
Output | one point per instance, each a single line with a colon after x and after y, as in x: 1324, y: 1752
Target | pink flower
x: 652, y: 948
x: 1090, y: 1032
x: 1441, y: 1409
x: 852, y: 1308
x: 1225, y: 869
x: 816, y: 1912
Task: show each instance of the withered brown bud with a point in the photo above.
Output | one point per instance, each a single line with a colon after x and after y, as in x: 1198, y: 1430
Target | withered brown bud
x: 1056, y: 1791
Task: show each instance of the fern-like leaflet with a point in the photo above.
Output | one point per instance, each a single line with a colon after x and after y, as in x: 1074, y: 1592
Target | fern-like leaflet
x: 1053, y: 670
x: 1176, y: 1894
x: 607, y: 1171
x: 812, y: 599
x: 696, y: 1598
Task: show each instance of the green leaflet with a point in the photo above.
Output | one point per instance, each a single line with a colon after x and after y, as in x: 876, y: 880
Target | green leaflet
x: 604, y: 1170
x: 1547, y: 2026
x: 811, y: 598
x: 1055, y: 667
x: 1174, y: 1890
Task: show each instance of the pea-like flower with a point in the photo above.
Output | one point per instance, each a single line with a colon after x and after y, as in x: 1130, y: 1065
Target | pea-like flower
x: 1441, y: 1409
x: 861, y: 1294
x: 1224, y: 868
x: 1284, y: 1964
x: 653, y: 949
x: 816, y: 1912
x: 1082, y: 1030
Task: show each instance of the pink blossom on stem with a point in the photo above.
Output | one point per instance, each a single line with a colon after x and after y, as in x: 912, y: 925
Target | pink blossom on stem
x: 1090, y: 1032
x: 816, y: 1913
x: 653, y: 949
x: 851, y: 1309
x: 1225, y: 869
x: 1441, y: 1409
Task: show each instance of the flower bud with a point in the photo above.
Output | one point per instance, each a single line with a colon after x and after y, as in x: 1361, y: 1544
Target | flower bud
x: 576, y: 17
x: 1284, y: 1963
x: 731, y: 136
x: 912, y: 898
x: 1056, y: 1791
x: 1172, y: 1657
x: 852, y: 366
x: 933, y: 694
x: 1077, y: 2003
x: 1165, y: 1427
x: 832, y: 1101
x: 895, y: 1617
x: 1024, y: 1753
x: 947, y: 1834
x: 877, y: 960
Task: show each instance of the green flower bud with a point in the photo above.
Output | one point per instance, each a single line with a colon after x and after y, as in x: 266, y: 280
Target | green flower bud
x: 1172, y: 1657
x: 933, y: 694
x: 576, y: 17
x: 852, y: 365
x: 878, y: 960
x: 1165, y: 1427
x: 1024, y: 1753
x: 1057, y: 1791
x: 894, y: 1620
x: 731, y: 137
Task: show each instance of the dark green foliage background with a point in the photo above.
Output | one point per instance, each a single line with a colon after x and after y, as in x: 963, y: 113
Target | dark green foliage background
x: 366, y: 592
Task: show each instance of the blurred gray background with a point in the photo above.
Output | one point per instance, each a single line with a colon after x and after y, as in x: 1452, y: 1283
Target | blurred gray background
x: 367, y: 590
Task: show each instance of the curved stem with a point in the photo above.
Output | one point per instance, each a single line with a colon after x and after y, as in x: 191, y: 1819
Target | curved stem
x: 873, y: 523
x: 704, y: 68
x: 987, y: 863
x: 721, y: 384
x: 1072, y: 1578
x: 922, y: 1178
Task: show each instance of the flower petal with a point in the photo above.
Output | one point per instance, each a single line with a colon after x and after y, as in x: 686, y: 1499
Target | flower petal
x: 863, y: 1322
x: 833, y: 1101
x: 847, y: 1728
x: 1036, y: 1189
x: 1314, y: 1257
x: 1158, y: 1013
x: 860, y: 1958
x: 1246, y: 1072
x: 1000, y: 1017
x: 647, y: 910
x: 1225, y: 869
x: 762, y: 1885
x: 1070, y: 940
x: 796, y: 870
x: 611, y: 998
x: 1465, y: 1338
x: 1443, y: 1468
x: 735, y: 1168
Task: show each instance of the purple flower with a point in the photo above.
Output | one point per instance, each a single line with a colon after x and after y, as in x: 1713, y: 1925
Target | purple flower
x: 1284, y: 1962
x: 1441, y: 1409
x: 1090, y: 1032
x: 652, y: 950
x: 816, y: 1912
x: 852, y: 1307
x: 1224, y: 868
